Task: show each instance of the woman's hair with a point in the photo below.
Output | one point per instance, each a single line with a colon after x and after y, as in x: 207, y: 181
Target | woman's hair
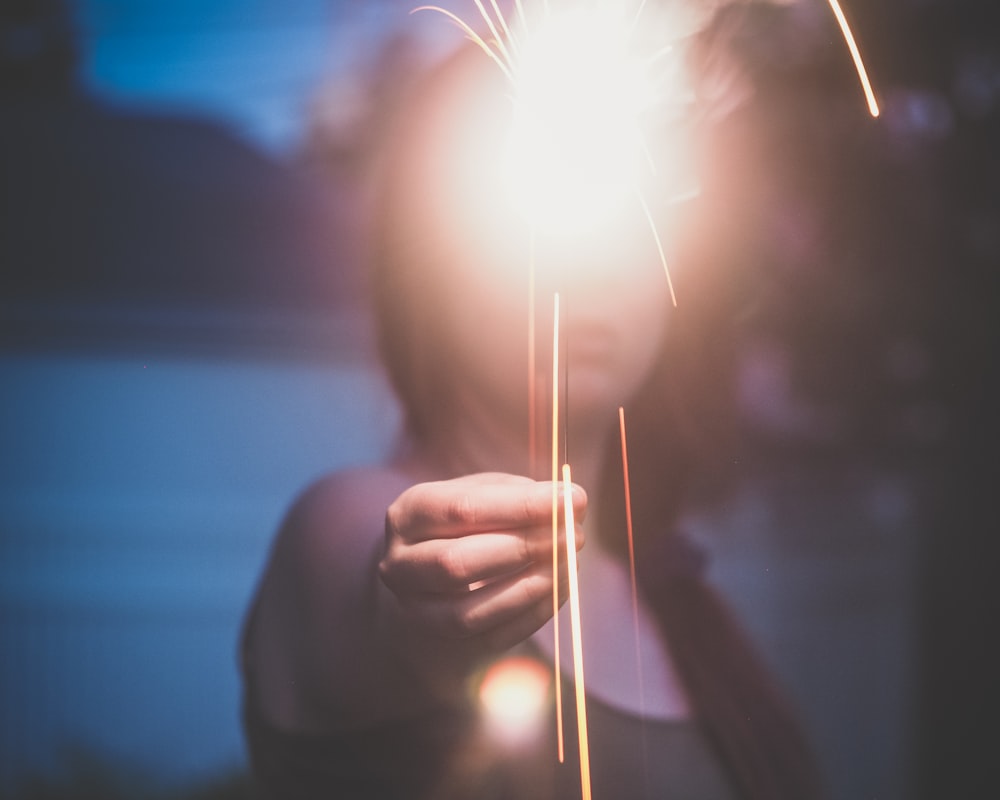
x: 408, y: 254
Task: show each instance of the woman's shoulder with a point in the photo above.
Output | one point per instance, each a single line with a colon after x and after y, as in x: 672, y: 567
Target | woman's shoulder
x: 346, y: 505
x: 355, y: 488
x: 309, y: 614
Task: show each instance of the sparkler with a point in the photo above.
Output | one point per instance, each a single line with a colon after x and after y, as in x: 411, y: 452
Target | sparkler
x: 581, y: 87
x: 583, y: 82
x: 557, y: 66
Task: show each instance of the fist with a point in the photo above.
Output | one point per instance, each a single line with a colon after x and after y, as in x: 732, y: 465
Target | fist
x: 472, y: 557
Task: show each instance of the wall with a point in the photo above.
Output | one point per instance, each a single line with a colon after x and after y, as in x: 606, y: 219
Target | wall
x: 138, y: 495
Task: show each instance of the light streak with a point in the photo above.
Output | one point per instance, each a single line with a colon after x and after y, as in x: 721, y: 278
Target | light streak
x: 497, y: 38
x: 859, y: 64
x: 532, y: 367
x: 659, y: 247
x: 577, y: 633
x: 640, y: 681
x: 631, y: 555
x: 555, y: 525
x: 471, y: 34
x: 503, y: 23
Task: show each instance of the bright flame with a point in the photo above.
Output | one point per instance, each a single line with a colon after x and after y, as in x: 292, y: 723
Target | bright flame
x: 514, y: 697
x: 596, y: 139
x: 576, y: 152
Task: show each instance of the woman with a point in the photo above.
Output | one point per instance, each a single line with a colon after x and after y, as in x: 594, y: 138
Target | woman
x: 390, y: 589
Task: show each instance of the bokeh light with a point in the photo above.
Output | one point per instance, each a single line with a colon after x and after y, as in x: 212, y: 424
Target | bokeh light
x: 514, y: 695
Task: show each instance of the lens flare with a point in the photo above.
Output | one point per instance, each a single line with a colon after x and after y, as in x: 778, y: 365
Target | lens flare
x: 597, y: 135
x: 575, y: 148
x: 514, y: 699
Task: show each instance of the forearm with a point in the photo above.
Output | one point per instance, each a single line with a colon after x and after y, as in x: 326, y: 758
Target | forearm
x: 364, y: 664
x: 327, y: 647
x: 382, y: 598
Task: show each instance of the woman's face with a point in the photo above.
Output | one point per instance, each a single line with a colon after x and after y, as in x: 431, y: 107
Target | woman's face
x: 497, y: 279
x: 613, y: 316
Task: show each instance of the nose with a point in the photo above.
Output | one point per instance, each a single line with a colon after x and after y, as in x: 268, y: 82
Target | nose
x: 592, y: 281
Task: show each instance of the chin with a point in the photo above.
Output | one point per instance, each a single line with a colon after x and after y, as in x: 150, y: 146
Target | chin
x: 593, y: 397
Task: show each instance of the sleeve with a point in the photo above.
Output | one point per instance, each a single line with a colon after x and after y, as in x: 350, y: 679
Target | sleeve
x: 416, y: 759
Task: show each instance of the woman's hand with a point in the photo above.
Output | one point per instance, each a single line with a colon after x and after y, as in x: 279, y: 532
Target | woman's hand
x: 470, y: 559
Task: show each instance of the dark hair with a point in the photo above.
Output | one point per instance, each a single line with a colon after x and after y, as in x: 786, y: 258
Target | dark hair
x: 406, y: 260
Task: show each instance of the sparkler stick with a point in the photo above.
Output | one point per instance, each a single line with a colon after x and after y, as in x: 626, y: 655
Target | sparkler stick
x: 575, y: 628
x: 555, y: 525
x: 859, y: 65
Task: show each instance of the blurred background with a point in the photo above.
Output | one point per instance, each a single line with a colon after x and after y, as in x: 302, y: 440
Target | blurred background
x: 184, y: 193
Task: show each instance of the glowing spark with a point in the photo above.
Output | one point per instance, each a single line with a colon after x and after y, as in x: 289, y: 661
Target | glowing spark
x: 474, y: 37
x: 859, y: 65
x: 575, y: 629
x: 497, y: 39
x: 659, y: 247
x: 555, y: 523
x: 503, y: 24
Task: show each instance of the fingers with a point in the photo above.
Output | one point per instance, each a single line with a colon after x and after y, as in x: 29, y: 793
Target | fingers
x: 451, y: 565
x: 490, y: 531
x: 503, y: 612
x: 474, y: 504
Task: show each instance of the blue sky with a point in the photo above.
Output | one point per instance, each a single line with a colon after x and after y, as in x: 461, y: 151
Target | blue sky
x: 255, y: 64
